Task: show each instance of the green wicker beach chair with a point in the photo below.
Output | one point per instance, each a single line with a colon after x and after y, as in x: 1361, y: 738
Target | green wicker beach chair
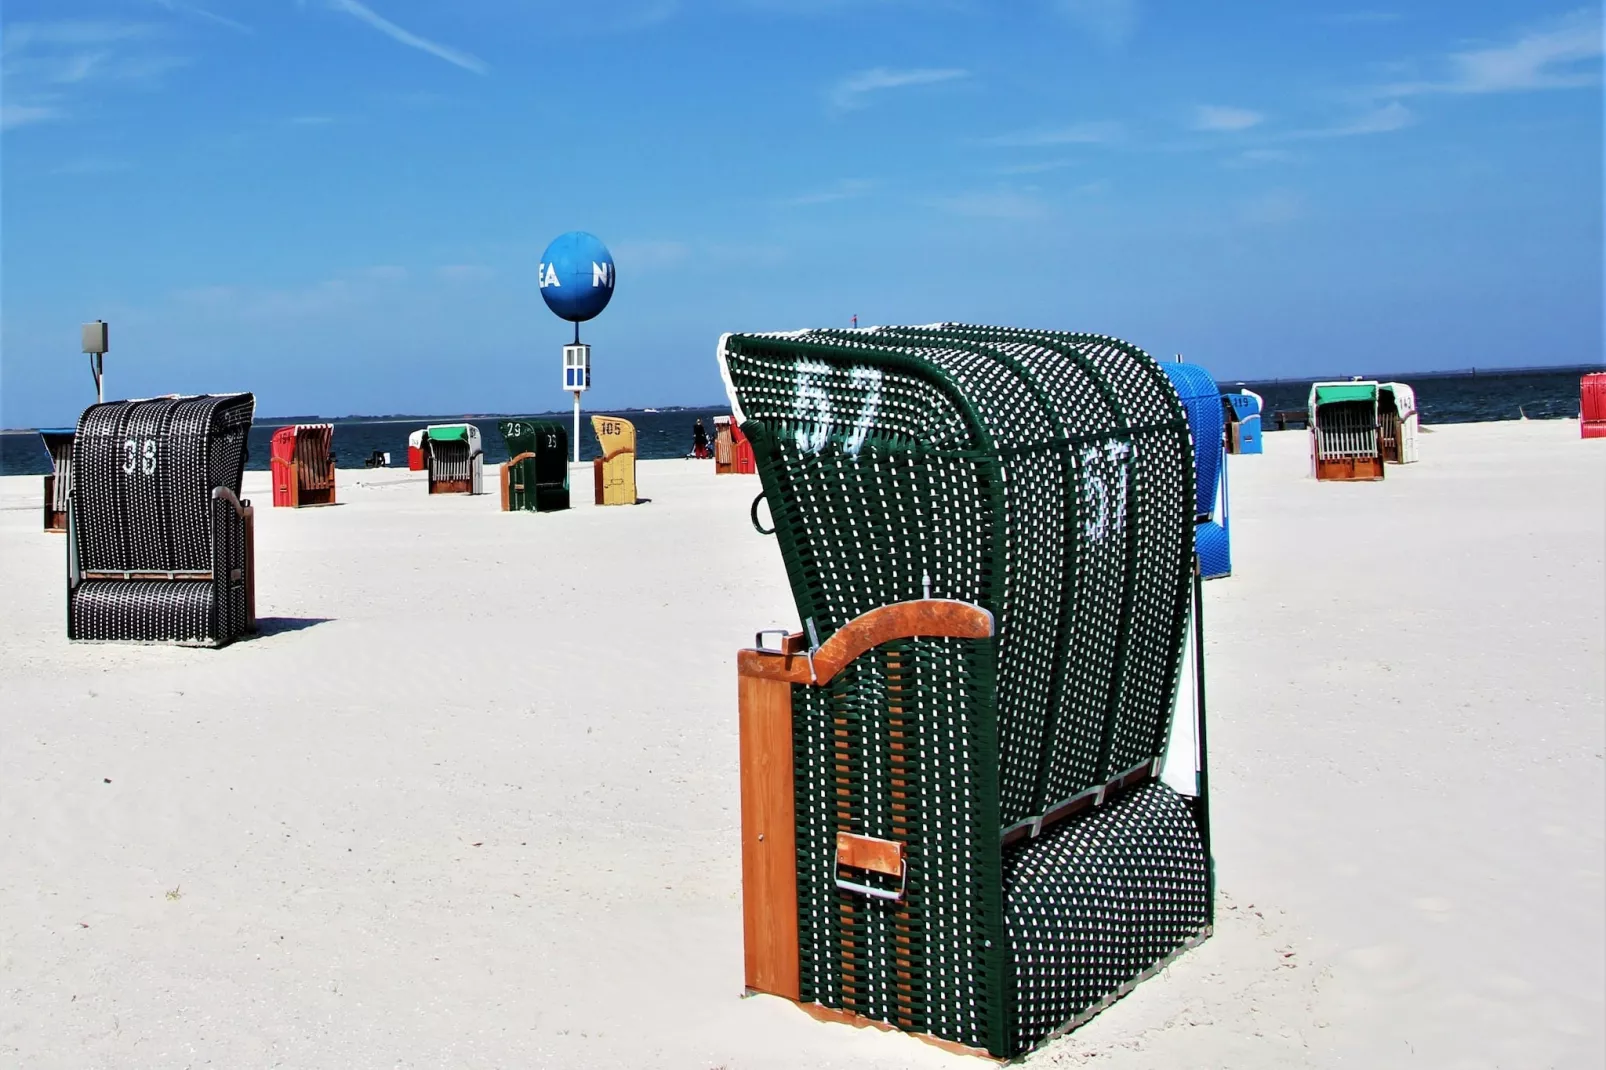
x: 536, y: 473
x: 953, y: 817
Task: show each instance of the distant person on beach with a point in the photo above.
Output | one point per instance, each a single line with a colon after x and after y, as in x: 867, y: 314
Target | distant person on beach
x: 699, y: 439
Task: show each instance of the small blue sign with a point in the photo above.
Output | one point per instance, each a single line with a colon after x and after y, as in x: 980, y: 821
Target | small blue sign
x: 576, y: 276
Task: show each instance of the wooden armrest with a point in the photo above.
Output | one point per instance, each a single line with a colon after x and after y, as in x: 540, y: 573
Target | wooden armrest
x: 901, y: 620
x: 511, y: 461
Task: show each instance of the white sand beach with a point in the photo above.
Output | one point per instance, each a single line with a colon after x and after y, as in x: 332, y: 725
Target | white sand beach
x: 471, y: 798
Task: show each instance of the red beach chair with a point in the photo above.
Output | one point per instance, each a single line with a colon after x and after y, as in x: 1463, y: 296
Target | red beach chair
x: 304, y: 465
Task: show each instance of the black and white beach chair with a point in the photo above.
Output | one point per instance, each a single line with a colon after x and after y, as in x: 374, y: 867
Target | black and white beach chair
x: 158, y: 539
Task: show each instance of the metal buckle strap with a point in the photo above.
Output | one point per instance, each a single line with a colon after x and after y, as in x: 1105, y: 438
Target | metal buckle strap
x: 873, y: 855
x: 878, y: 893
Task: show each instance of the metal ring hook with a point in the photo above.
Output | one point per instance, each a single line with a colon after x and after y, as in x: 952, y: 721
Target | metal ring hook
x: 753, y: 513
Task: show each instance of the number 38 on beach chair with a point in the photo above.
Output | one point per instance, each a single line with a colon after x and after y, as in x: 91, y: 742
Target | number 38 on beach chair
x: 953, y: 816
x: 158, y: 540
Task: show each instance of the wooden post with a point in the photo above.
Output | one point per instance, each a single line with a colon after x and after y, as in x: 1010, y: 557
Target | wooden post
x: 250, y: 570
x: 769, y: 837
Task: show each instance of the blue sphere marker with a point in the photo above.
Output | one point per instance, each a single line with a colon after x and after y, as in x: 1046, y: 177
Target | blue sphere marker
x: 576, y: 276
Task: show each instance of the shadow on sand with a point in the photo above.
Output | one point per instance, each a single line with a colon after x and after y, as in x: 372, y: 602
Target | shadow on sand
x: 275, y: 625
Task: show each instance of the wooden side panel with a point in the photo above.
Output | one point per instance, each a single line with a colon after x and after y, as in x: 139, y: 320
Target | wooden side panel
x: 250, y: 569
x: 55, y: 519
x: 769, y: 837
x: 1350, y: 468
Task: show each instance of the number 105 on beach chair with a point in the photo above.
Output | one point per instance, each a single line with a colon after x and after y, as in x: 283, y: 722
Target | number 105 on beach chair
x: 953, y: 817
x: 614, y: 473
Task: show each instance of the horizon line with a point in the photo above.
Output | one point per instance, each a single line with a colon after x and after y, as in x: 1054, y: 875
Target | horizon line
x: 1469, y: 372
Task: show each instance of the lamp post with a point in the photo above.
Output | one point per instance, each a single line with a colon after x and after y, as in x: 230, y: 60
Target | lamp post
x: 94, y: 336
x: 576, y: 379
x: 576, y: 282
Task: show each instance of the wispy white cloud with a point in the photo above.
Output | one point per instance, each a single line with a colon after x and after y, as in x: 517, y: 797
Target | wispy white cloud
x: 850, y: 92
x: 1217, y: 118
x: 47, y: 67
x: 22, y: 37
x: 464, y: 272
x: 744, y: 254
x: 831, y: 7
x: 844, y: 190
x: 92, y: 165
x: 650, y: 254
x: 1038, y: 168
x: 366, y: 14
x: 1273, y: 208
x: 643, y: 16
x: 180, y: 8
x: 14, y: 115
x: 1112, y: 22
x: 256, y: 303
x: 1362, y: 18
x: 1381, y: 120
x: 1261, y: 157
x: 1561, y: 54
x: 993, y: 204
x: 1092, y: 133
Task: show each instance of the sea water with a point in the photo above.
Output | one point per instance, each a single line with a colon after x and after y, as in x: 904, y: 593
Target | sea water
x: 1442, y: 400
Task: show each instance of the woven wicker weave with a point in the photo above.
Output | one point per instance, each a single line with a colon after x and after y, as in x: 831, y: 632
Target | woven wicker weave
x: 1049, y: 479
x: 143, y: 506
x: 539, y: 479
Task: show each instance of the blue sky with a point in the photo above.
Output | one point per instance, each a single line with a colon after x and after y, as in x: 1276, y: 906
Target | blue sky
x: 340, y: 205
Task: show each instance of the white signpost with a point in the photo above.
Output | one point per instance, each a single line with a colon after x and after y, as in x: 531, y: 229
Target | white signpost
x: 576, y: 379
